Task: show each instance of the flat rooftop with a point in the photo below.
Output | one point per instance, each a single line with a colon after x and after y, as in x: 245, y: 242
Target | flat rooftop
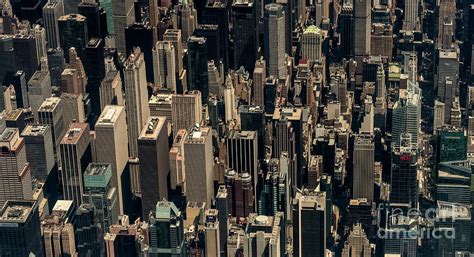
x: 16, y: 211
x: 34, y: 130
x: 74, y: 133
x: 109, y: 115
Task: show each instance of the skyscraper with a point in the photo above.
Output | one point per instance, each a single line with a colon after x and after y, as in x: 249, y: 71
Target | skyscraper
x: 362, y: 27
x: 199, y: 165
x: 364, y: 167
x: 245, y: 33
x: 15, y: 175
x: 123, y: 14
x: 39, y: 88
x: 73, y: 33
x: 451, y: 144
x: 166, y: 230
x: 406, y: 115
x: 411, y: 14
x: 274, y: 40
x: 447, y: 79
x: 311, y: 43
x: 174, y: 36
x: 177, y: 161
x: 111, y: 137
x: 309, y: 224
x: 140, y: 34
x: 136, y: 97
x: 51, y: 13
x: 154, y: 165
x: 20, y: 233
x: 110, y: 90
x: 197, y: 66
x: 26, y: 55
x: 221, y: 205
x: 164, y: 65
x: 75, y: 156
x: 51, y: 112
x: 217, y: 13
x: 212, y: 233
x: 186, y: 110
x: 404, y: 183
x: 39, y: 150
x: 99, y: 191
x: 242, y: 153
x: 259, y: 79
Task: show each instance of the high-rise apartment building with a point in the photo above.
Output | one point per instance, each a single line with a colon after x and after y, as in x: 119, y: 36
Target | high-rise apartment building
x: 20, y: 232
x: 274, y: 40
x: 364, y: 167
x: 39, y: 150
x: 15, y: 175
x: 199, y: 163
x: 154, y: 167
x: 111, y: 137
x: 75, y: 156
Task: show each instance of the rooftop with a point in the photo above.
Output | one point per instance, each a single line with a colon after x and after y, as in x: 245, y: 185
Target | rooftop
x: 35, y: 130
x: 74, y: 133
x: 152, y: 128
x: 49, y: 104
x: 109, y: 115
x: 16, y: 211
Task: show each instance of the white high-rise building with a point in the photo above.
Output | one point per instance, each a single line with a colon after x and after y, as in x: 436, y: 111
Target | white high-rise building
x: 164, y: 65
x: 274, y: 40
x: 199, y: 163
x: 112, y: 141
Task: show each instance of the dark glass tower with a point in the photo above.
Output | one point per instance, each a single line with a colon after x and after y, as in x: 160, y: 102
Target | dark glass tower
x: 252, y: 119
x: 404, y: 186
x: 245, y: 34
x: 214, y: 43
x: 96, y: 25
x: 95, y: 69
x: 20, y: 232
x: 141, y: 35
x: 217, y: 13
x: 166, y: 230
x: 197, y: 66
x: 73, y: 33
